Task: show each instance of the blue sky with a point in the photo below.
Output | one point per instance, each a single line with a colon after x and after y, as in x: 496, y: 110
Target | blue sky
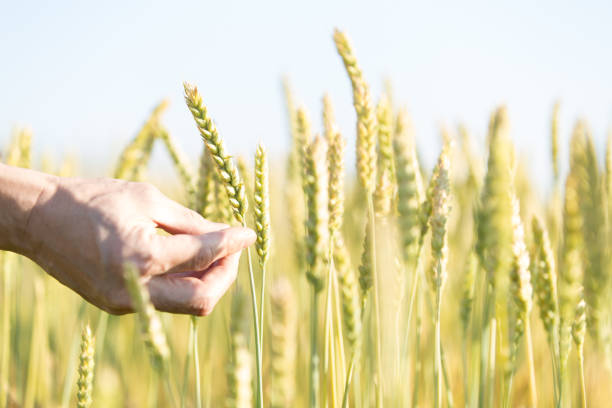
x: 84, y: 75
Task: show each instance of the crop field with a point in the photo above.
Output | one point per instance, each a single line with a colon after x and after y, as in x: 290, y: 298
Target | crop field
x: 387, y: 284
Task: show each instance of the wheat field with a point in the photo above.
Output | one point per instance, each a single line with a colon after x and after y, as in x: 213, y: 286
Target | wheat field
x: 388, y: 285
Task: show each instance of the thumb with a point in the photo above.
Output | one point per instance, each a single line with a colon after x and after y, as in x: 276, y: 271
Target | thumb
x: 183, y: 253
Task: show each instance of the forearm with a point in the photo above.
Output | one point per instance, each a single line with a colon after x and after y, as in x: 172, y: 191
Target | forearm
x: 20, y: 190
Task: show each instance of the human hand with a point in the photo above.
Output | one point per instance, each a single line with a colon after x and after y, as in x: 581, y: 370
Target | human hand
x: 84, y: 231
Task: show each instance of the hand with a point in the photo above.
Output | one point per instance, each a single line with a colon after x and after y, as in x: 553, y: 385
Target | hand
x: 83, y: 232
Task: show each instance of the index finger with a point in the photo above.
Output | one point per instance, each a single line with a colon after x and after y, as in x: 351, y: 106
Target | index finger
x: 184, y: 253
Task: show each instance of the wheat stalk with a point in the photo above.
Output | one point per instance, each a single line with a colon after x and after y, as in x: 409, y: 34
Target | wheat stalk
x: 494, y: 238
x: 439, y: 250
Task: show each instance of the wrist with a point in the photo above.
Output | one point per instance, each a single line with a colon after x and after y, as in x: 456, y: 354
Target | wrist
x: 21, y: 190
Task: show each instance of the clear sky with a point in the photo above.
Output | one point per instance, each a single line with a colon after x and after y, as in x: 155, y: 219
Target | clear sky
x: 84, y: 75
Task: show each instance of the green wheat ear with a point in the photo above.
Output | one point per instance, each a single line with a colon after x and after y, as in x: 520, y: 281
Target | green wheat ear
x: 226, y: 168
x: 316, y: 226
x: 366, y: 114
x: 261, y: 197
x: 86, y: 369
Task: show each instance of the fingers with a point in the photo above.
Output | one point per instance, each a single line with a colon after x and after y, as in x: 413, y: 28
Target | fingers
x: 176, y: 219
x: 196, y: 293
x: 181, y: 253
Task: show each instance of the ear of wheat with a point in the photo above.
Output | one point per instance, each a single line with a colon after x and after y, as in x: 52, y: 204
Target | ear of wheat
x: 135, y: 155
x: 225, y: 166
x: 545, y: 279
x: 570, y: 271
x: 440, y: 210
x: 315, y: 190
x: 593, y: 206
x: 494, y: 215
x: 86, y: 369
x: 409, y: 195
x: 520, y: 280
x: 366, y: 116
x: 205, y: 201
x: 335, y: 162
x: 261, y: 208
x: 180, y: 163
x: 349, y: 292
x: 383, y: 194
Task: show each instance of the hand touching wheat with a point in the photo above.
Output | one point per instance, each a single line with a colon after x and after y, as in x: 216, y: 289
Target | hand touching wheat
x: 83, y: 231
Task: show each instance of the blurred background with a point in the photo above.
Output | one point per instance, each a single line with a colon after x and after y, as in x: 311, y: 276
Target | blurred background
x: 85, y: 76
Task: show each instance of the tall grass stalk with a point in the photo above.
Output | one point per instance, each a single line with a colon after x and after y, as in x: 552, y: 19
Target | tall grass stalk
x: 379, y: 382
x: 235, y: 189
x: 36, y: 345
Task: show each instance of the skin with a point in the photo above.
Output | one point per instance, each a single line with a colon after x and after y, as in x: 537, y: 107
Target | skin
x: 83, y: 231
